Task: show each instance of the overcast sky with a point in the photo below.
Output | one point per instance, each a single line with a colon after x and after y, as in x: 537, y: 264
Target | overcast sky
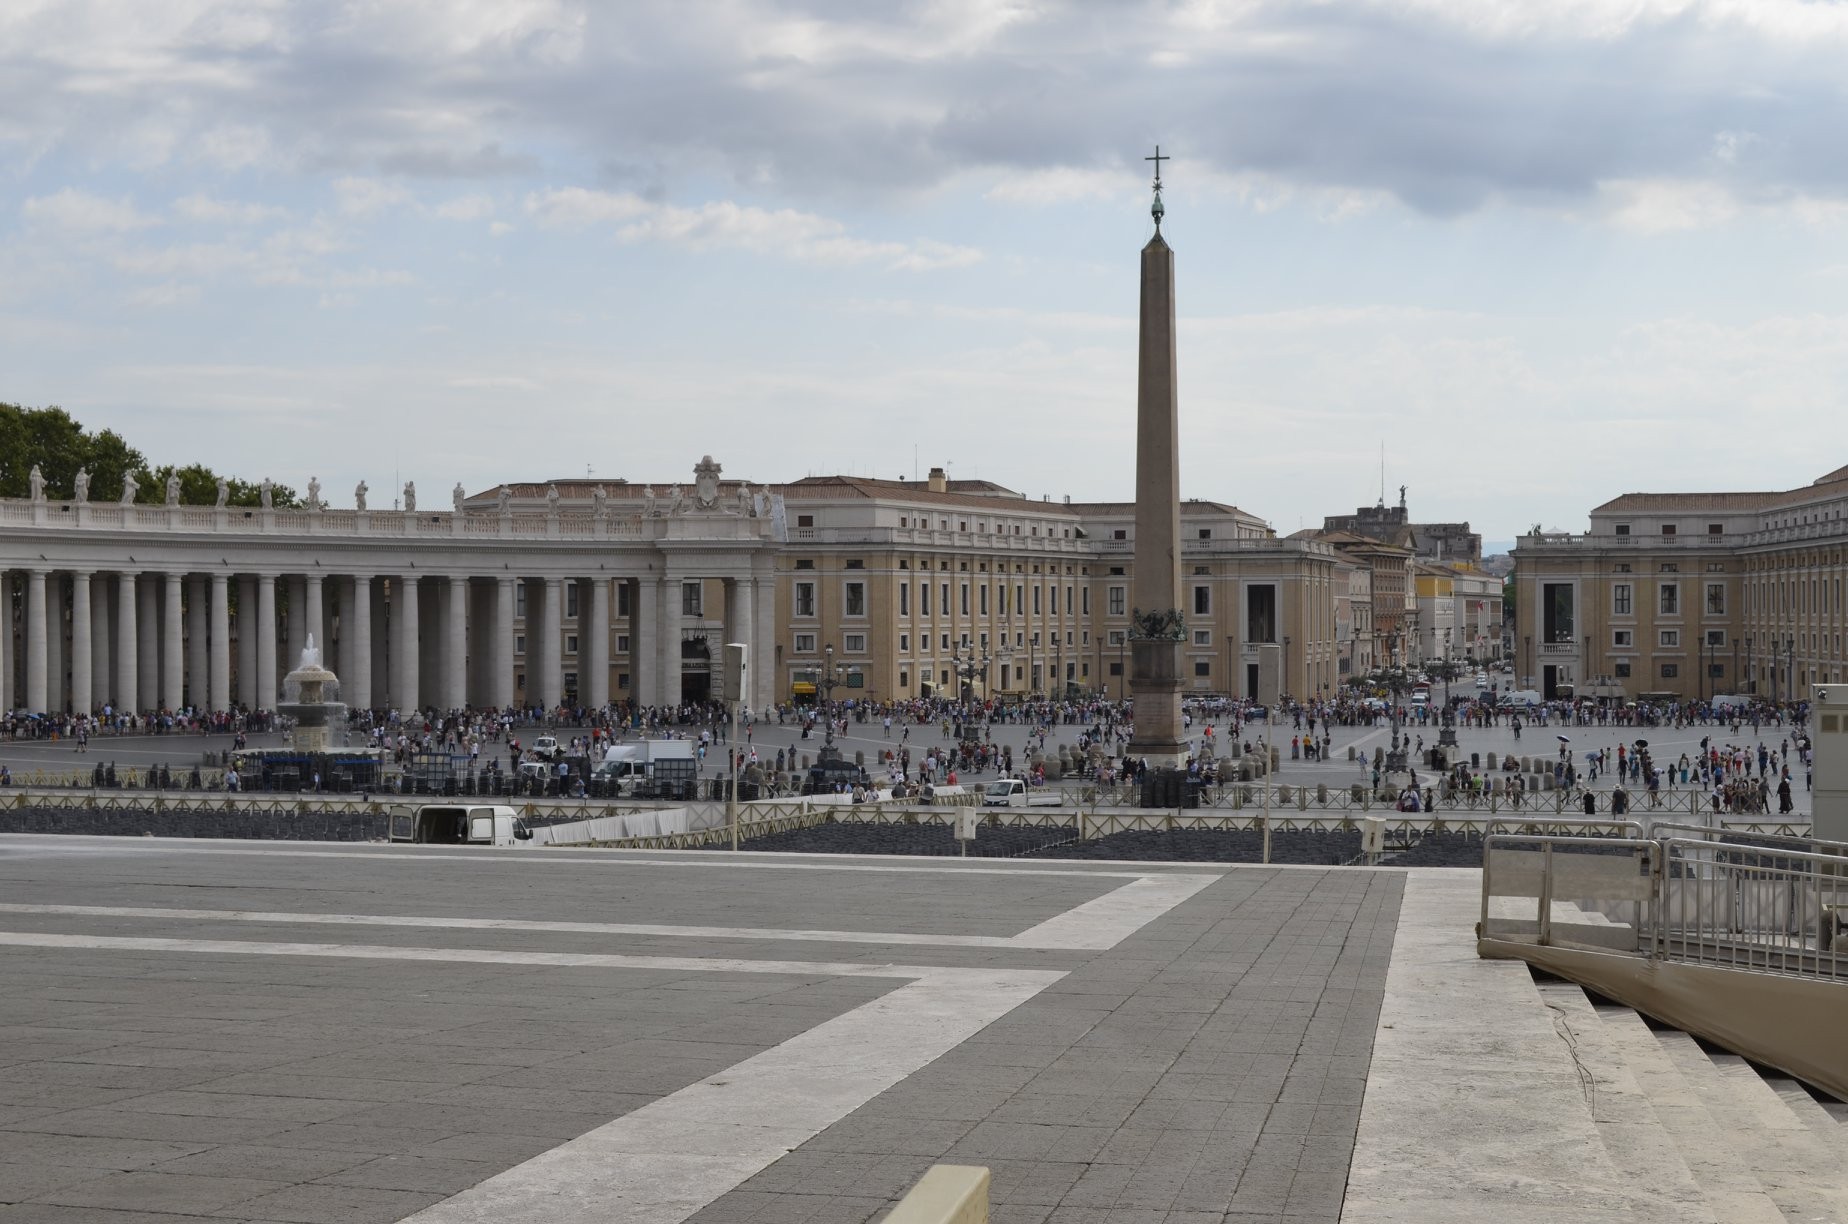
x: 1540, y: 253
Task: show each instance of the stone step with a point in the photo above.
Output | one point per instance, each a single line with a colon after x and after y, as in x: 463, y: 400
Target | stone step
x: 1731, y: 1187
x: 1793, y: 1166
x: 1805, y: 1106
x: 1571, y: 924
x: 1639, y: 1146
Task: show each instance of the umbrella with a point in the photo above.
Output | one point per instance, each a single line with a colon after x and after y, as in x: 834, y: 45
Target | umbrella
x: 1564, y: 739
x: 1642, y: 743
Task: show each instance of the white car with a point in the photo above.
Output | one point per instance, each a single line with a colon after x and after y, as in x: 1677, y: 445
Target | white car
x: 545, y: 748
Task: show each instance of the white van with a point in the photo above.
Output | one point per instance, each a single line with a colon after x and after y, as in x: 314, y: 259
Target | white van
x: 456, y: 824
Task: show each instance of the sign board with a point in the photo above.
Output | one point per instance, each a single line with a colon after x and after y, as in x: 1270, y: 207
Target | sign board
x: 965, y: 823
x: 732, y: 673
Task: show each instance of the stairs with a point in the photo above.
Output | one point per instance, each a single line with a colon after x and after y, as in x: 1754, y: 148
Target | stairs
x: 1701, y: 1135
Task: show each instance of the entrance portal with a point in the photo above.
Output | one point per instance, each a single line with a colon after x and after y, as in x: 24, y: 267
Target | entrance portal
x: 695, y: 670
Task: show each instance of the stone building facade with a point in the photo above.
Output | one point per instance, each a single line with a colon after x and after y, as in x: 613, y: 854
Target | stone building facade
x: 1690, y: 594
x: 582, y: 592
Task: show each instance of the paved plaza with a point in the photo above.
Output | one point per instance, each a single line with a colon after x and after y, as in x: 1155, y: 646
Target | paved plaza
x: 283, y: 1033
x: 1667, y: 744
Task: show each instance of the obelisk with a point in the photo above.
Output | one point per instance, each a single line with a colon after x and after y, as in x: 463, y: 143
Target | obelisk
x: 1157, y: 631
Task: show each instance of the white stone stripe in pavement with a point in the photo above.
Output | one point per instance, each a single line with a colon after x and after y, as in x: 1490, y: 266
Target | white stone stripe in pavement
x: 666, y: 1160
x: 42, y: 845
x: 1096, y: 925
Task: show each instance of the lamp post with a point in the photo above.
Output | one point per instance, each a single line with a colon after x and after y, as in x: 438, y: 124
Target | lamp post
x: 968, y: 667
x: 830, y: 676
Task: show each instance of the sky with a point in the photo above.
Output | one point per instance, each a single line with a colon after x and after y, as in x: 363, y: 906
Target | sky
x: 1519, y: 257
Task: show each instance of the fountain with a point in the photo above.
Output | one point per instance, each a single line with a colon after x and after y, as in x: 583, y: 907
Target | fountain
x: 310, y: 695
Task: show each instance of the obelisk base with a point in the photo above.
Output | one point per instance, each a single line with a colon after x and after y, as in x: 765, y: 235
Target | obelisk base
x: 1155, y: 688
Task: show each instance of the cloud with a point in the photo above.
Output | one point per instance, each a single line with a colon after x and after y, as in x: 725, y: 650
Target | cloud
x: 204, y: 208
x: 727, y: 225
x: 80, y: 212
x: 1445, y: 106
x: 361, y: 197
x: 465, y: 208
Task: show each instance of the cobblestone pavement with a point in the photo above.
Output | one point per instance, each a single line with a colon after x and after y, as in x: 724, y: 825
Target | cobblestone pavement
x: 349, y: 1033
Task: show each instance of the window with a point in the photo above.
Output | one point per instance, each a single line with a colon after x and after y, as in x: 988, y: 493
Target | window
x: 1620, y: 599
x: 1117, y: 597
x: 805, y: 563
x: 805, y: 599
x: 1669, y: 637
x: 1622, y: 567
x: 943, y: 642
x: 1716, y: 529
x: 1261, y: 613
x: 1036, y: 600
x: 1668, y: 529
x: 1557, y: 603
x: 1116, y: 669
x: 1020, y: 601
x: 981, y: 599
x: 965, y: 598
x: 1670, y: 596
x: 1622, y: 670
x: 1623, y: 529
x: 805, y: 643
x: 1716, y: 637
x: 943, y: 602
x: 1670, y: 567
x: 622, y: 680
x: 1203, y: 601
x: 805, y: 520
x: 1119, y: 534
x: 854, y: 603
x: 1670, y: 670
x: 622, y: 599
x: 691, y: 595
x: 622, y: 643
x: 904, y: 599
x: 1716, y: 599
x: 855, y: 564
x: 904, y: 679
x: 904, y: 642
x: 571, y: 643
x: 571, y: 600
x: 1623, y: 638
x: 519, y: 644
x: 854, y: 643
x: 1202, y: 668
x: 519, y: 599
x: 1717, y: 670
x: 1206, y: 533
x: 924, y: 598
x: 1115, y: 637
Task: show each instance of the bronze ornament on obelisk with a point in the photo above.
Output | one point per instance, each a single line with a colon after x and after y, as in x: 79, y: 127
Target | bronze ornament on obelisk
x: 1157, y: 630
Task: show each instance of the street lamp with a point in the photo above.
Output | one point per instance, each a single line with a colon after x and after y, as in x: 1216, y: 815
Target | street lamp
x: 968, y: 667
x: 831, y: 673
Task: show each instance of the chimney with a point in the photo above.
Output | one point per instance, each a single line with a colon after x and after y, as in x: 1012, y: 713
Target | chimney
x: 939, y: 483
x: 1068, y: 499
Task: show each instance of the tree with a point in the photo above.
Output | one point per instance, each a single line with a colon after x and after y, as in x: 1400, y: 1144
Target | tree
x: 58, y: 445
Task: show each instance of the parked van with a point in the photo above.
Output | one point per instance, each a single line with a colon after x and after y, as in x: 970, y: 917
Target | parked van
x: 454, y: 824
x: 1014, y: 792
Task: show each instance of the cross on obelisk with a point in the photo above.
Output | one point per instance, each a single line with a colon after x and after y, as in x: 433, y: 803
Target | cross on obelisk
x: 1157, y: 632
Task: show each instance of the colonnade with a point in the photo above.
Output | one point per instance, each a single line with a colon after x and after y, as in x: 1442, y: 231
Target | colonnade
x: 86, y: 640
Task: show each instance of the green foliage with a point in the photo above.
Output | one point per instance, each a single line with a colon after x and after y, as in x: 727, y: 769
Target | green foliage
x: 60, y: 445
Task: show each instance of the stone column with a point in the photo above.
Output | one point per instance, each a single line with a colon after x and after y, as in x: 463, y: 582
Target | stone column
x: 455, y: 644
x: 147, y: 601
x: 314, y: 619
x: 266, y: 642
x: 7, y: 701
x: 740, y: 626
x: 381, y: 645
x: 128, y: 641
x: 594, y: 644
x: 341, y: 660
x: 552, y: 662
x: 172, y: 649
x: 644, y: 643
x: 296, y: 635
x: 763, y: 661
x: 55, y: 654
x: 101, y: 636
x: 502, y: 688
x: 218, y: 682
x: 36, y: 660
x: 406, y: 643
x: 667, y: 591
x: 198, y: 644
x: 247, y: 642
x: 356, y: 639
x: 83, y: 695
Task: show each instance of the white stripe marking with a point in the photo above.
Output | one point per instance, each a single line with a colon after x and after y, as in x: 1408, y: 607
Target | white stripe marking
x: 1096, y: 925
x: 663, y: 1162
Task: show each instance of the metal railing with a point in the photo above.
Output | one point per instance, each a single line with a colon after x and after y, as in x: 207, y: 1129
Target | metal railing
x: 1771, y: 904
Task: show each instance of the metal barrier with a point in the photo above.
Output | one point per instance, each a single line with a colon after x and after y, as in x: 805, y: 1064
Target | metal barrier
x: 1774, y: 906
x: 1362, y: 797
